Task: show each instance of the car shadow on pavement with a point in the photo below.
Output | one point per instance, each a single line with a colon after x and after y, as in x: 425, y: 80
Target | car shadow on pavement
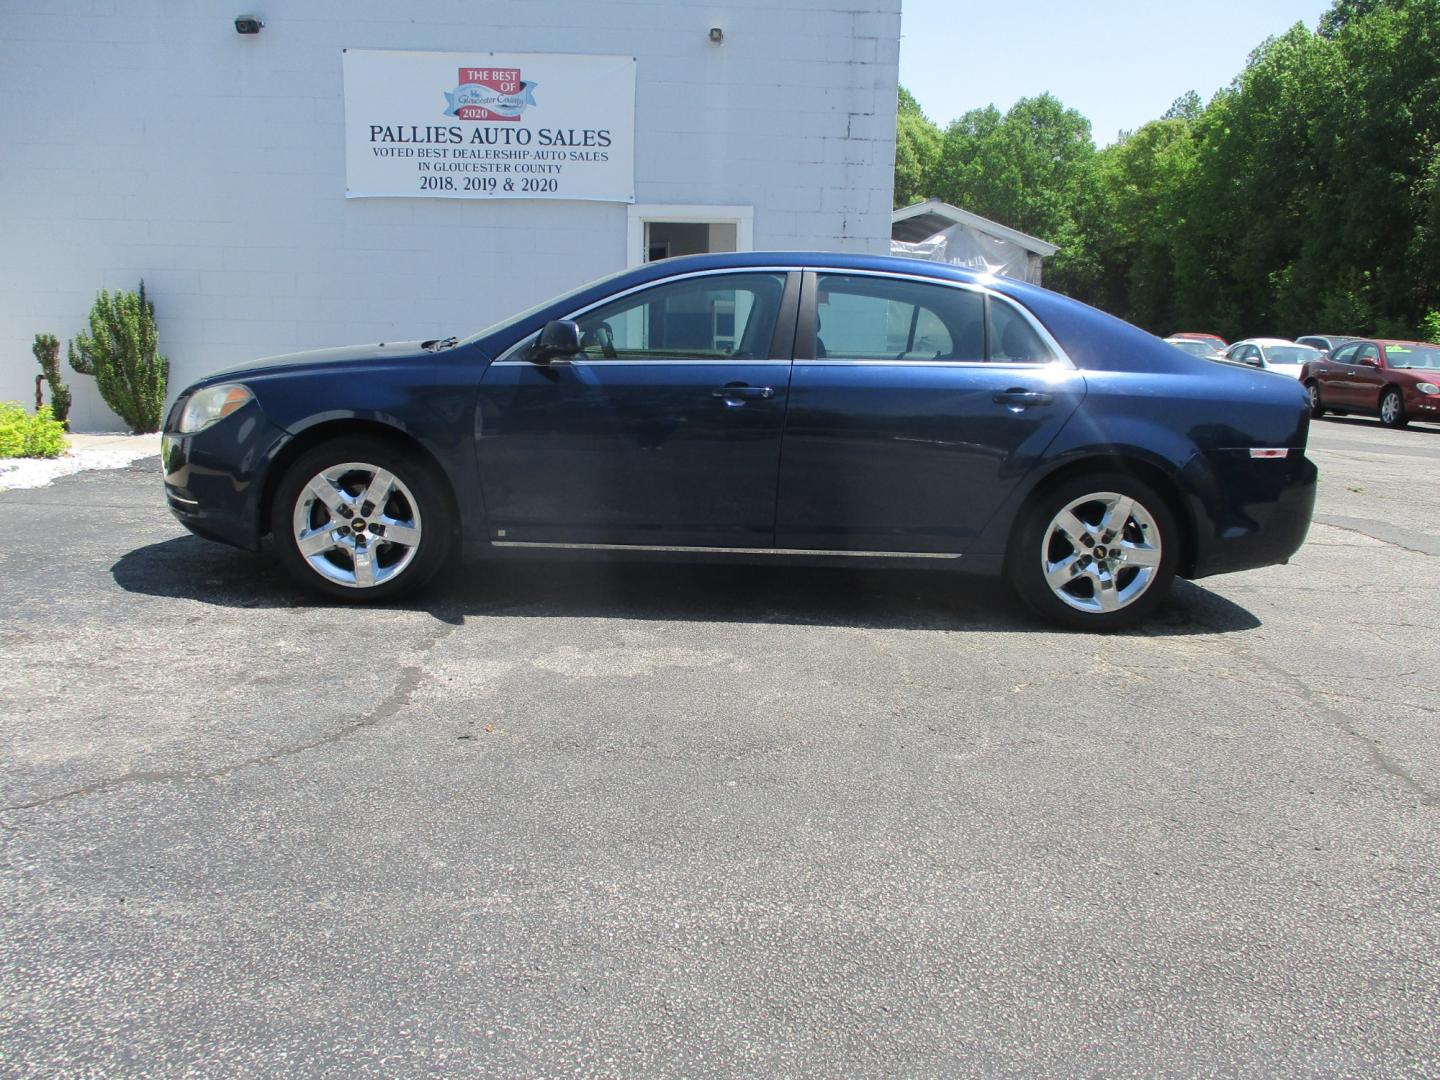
x: 194, y: 569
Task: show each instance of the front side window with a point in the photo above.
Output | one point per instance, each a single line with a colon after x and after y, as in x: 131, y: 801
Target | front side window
x: 713, y: 317
x: 1367, y: 352
x: 1346, y: 355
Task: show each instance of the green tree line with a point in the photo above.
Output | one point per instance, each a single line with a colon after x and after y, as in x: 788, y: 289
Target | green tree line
x: 1304, y: 197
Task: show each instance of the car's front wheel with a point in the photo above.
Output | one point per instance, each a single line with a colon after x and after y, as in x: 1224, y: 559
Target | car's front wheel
x: 1096, y: 552
x: 361, y: 519
x: 1392, y: 409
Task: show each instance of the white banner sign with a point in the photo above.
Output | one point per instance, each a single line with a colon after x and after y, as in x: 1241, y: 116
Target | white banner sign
x: 489, y: 125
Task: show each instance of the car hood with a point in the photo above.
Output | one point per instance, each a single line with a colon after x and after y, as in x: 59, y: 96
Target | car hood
x: 345, y: 354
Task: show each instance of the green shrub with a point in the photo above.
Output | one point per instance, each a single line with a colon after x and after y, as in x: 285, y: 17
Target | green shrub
x: 47, y: 353
x: 23, y: 435
x: 122, y: 352
x: 1430, y: 328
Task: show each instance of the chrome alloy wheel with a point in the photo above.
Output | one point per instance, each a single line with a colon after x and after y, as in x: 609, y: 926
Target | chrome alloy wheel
x: 1390, y: 407
x: 357, y: 525
x: 1101, y: 552
x: 1314, y: 392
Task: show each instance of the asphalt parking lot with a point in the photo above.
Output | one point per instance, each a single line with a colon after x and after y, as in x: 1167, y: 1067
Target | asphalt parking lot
x: 599, y: 819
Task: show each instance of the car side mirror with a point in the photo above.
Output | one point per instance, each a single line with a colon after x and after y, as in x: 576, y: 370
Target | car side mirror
x: 560, y: 337
x: 1368, y: 361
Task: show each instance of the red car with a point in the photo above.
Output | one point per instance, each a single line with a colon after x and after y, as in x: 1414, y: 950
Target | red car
x: 1214, y: 339
x: 1398, y: 381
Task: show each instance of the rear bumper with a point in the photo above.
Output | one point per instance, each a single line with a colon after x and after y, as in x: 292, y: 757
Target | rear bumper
x: 1259, y: 509
x: 214, y: 479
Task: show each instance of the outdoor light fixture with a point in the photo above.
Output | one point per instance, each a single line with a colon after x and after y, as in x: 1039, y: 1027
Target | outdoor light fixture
x: 717, y: 36
x: 247, y: 24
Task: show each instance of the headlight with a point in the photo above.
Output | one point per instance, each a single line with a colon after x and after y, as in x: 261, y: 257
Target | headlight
x: 1427, y: 388
x: 210, y: 404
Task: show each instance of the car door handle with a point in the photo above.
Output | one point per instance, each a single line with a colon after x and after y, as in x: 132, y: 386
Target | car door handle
x: 1023, y: 398
x: 738, y: 393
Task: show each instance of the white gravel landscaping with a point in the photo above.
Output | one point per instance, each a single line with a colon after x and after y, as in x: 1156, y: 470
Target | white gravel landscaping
x: 86, y: 452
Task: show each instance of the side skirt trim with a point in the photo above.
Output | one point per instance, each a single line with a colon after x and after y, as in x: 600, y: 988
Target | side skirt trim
x: 730, y: 550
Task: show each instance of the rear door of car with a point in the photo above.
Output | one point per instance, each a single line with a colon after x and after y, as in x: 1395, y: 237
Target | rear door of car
x: 1336, y: 375
x: 663, y: 431
x: 916, y: 406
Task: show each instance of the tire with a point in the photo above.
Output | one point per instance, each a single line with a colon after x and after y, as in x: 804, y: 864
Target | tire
x: 407, y: 525
x: 1392, y: 409
x: 1317, y: 410
x: 1097, y: 595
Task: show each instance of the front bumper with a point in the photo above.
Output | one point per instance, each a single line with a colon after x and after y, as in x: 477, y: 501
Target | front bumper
x: 1423, y: 407
x: 214, y: 479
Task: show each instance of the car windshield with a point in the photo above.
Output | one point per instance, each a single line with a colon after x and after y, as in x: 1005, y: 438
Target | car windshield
x: 1413, y: 356
x: 1290, y: 354
x: 543, y: 304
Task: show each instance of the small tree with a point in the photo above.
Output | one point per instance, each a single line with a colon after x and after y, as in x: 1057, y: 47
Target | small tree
x: 1430, y: 328
x: 47, y: 353
x: 122, y: 353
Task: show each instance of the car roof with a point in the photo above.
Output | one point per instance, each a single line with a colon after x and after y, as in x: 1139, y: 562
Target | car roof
x: 1269, y: 341
x: 818, y: 259
x: 1399, y: 341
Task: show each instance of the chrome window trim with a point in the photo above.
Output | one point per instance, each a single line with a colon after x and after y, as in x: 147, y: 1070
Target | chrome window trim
x: 727, y: 550
x: 507, y: 358
x: 1060, y: 359
x: 995, y: 365
x: 566, y: 361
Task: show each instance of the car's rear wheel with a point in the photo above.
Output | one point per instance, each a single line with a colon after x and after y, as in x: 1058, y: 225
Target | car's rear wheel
x: 1096, y: 552
x: 1317, y: 408
x: 1392, y: 409
x: 361, y: 519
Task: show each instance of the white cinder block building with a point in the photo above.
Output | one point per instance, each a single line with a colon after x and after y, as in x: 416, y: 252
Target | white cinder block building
x: 149, y: 138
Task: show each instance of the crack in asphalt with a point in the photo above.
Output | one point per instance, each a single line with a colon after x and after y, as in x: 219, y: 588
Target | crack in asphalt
x: 1354, y: 525
x: 1338, y: 719
x: 398, y: 697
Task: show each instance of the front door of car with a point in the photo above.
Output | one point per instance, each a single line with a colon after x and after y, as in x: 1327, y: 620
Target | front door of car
x: 915, y: 409
x: 1367, y: 379
x: 664, y: 430
x: 1250, y: 355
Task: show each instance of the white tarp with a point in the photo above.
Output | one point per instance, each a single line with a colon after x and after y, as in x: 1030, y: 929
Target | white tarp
x: 445, y: 125
x: 961, y: 245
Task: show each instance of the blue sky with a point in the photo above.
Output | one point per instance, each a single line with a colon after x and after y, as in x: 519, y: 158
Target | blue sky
x: 1120, y: 62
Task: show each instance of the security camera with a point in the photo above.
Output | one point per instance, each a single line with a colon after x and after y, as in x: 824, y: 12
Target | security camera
x: 248, y: 24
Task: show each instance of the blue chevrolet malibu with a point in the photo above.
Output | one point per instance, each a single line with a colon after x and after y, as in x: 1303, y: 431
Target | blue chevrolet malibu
x: 787, y: 405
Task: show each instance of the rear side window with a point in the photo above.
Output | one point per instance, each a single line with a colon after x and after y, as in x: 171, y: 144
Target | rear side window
x: 1012, y: 338
x: 878, y: 318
